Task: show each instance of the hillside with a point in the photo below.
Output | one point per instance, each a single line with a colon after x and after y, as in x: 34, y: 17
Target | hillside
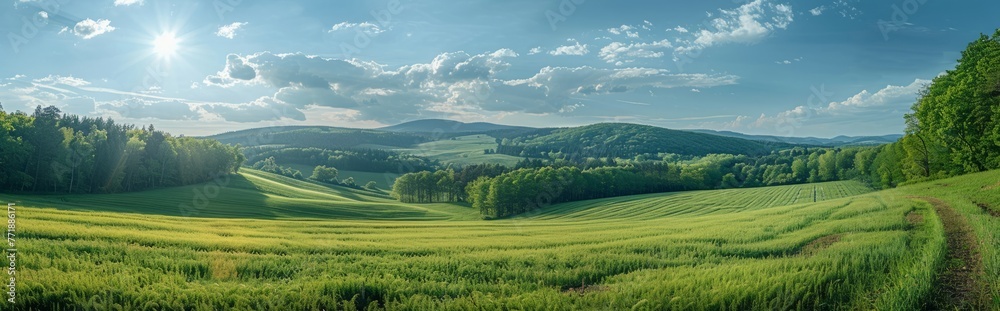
x: 253, y: 195
x: 450, y: 127
x: 810, y: 141
x: 317, y: 137
x: 727, y: 249
x: 628, y: 140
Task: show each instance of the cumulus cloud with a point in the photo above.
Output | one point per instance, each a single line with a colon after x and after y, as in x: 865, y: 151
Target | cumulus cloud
x: 576, y: 49
x: 262, y: 109
x: 747, y: 24
x: 364, y: 27
x: 627, y: 30
x: 621, y: 53
x: 535, y: 50
x: 817, y: 11
x: 229, y: 31
x: 456, y: 83
x: 89, y: 28
x: 367, y: 87
x: 880, y: 105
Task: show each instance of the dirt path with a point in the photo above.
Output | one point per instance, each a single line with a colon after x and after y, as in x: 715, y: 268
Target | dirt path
x: 956, y: 285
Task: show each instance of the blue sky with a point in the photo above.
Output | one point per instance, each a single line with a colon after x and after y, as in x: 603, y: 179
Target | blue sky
x: 802, y: 68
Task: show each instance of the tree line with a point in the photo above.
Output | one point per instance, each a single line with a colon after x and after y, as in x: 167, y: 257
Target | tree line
x: 618, y: 140
x: 354, y: 159
x: 499, y: 191
x: 49, y: 152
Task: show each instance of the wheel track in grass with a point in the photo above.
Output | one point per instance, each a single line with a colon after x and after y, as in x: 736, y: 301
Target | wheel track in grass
x: 957, y: 286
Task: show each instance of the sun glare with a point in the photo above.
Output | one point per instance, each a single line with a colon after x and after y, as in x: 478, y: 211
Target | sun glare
x: 165, y: 44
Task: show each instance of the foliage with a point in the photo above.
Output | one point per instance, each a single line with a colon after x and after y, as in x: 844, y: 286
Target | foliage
x: 619, y: 140
x: 365, y: 160
x: 324, y: 174
x: 955, y: 124
x: 532, y: 184
x: 48, y: 152
x: 271, y: 166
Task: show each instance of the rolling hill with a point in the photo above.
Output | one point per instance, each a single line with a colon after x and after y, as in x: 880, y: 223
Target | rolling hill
x: 264, y: 242
x: 811, y: 141
x: 628, y: 140
x: 318, y: 137
x: 450, y: 127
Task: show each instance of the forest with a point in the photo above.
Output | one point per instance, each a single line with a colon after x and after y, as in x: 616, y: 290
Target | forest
x: 622, y: 140
x: 52, y: 152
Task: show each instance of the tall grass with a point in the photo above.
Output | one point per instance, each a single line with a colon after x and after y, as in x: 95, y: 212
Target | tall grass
x: 710, y: 250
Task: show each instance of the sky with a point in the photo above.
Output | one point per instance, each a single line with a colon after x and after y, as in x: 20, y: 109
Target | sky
x: 775, y: 67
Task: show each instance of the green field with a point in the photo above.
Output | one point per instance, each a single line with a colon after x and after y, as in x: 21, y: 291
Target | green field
x: 265, y: 242
x: 462, y: 150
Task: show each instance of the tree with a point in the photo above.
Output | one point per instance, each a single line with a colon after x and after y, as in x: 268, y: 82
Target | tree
x: 325, y: 174
x: 828, y: 166
x: 349, y: 181
x: 959, y: 111
x: 371, y: 185
x: 800, y: 172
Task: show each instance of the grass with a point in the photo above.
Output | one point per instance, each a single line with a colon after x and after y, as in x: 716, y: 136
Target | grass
x: 464, y: 150
x: 977, y: 198
x: 268, y: 242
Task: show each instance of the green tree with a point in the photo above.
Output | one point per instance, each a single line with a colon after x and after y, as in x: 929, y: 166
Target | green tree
x: 324, y: 174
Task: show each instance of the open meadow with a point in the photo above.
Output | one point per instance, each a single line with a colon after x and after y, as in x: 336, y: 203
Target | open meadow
x: 264, y: 242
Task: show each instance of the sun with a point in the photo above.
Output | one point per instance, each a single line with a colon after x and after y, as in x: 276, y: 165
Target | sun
x: 166, y: 44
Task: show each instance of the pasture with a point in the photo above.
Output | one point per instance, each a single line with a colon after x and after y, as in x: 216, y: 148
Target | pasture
x: 265, y: 242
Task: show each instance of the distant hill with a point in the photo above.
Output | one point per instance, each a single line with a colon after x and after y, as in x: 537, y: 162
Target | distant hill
x: 319, y: 137
x: 811, y: 141
x: 450, y: 127
x: 628, y: 140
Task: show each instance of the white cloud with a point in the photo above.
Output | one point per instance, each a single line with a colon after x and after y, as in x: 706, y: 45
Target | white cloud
x: 680, y: 29
x: 620, y: 53
x: 576, y: 49
x: 262, y: 109
x: 128, y: 2
x: 55, y: 79
x: 535, y: 50
x: 879, y: 106
x: 229, y: 31
x: 364, y: 27
x: 89, y: 28
x: 138, y: 108
x: 817, y: 11
x: 788, y: 61
x: 43, y: 14
x: 457, y: 83
x: 747, y: 24
x: 629, y: 31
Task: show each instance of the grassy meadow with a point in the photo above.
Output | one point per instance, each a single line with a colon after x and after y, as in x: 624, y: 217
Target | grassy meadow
x: 267, y: 242
x: 463, y: 150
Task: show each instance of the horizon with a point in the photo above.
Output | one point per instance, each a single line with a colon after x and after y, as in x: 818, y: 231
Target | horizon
x: 781, y: 68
